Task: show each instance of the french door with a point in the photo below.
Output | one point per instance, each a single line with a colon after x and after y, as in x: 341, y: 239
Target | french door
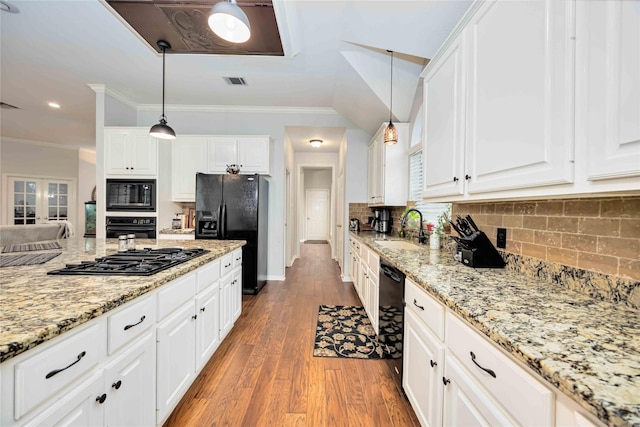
x: 39, y: 200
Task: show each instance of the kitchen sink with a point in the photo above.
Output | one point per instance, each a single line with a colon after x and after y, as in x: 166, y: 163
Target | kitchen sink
x: 397, y: 244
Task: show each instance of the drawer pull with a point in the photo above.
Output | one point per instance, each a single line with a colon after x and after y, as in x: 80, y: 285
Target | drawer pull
x: 433, y: 364
x: 488, y: 371
x: 227, y: 265
x: 117, y: 384
x: 101, y: 399
x: 194, y: 317
x: 131, y: 326
x: 445, y: 381
x: 415, y: 302
x: 56, y: 371
x: 202, y: 309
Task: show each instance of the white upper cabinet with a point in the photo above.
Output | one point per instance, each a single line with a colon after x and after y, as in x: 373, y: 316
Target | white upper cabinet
x: 388, y: 171
x: 534, y: 99
x: 188, y: 157
x: 608, y: 89
x: 130, y: 151
x: 519, y: 130
x: 443, y: 151
x: 251, y: 154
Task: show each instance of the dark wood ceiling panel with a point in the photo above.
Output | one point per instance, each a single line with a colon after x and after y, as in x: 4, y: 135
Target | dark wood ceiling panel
x: 184, y: 26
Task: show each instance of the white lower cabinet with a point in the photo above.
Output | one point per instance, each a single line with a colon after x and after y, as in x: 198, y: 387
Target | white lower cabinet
x: 175, y: 367
x: 423, y: 357
x: 80, y: 407
x: 207, y: 325
x: 132, y: 366
x: 129, y: 385
x: 459, y: 378
x: 466, y: 403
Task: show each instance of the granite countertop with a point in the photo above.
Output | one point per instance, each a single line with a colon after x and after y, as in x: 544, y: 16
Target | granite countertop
x: 37, y: 307
x: 588, y: 349
x: 177, y: 231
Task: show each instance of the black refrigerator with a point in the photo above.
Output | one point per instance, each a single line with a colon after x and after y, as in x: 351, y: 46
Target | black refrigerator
x: 235, y: 207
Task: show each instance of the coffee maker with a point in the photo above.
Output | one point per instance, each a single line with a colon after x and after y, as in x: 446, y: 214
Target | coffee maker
x: 382, y: 221
x: 385, y: 221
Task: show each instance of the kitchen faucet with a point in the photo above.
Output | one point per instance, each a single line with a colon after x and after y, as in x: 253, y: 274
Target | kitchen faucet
x: 421, y: 236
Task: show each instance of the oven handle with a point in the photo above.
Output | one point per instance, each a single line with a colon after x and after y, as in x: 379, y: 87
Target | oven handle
x: 129, y: 228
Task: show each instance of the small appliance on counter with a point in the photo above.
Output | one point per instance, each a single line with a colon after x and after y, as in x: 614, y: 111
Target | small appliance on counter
x: 354, y: 224
x: 474, y: 247
x: 381, y: 222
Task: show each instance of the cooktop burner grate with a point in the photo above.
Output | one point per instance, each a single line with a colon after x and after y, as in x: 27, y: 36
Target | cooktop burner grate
x: 145, y: 262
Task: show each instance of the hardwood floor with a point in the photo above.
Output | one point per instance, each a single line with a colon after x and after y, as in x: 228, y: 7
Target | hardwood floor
x: 264, y: 373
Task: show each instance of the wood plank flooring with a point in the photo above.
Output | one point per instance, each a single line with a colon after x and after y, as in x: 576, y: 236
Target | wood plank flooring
x: 264, y: 373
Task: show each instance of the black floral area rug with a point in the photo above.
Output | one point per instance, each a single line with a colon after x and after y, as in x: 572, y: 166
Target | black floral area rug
x: 345, y: 331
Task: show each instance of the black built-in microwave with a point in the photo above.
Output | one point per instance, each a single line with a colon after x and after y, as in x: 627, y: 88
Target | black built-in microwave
x: 131, y: 195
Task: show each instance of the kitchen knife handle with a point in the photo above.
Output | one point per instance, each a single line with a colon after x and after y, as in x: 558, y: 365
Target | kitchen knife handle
x: 455, y: 227
x: 472, y: 222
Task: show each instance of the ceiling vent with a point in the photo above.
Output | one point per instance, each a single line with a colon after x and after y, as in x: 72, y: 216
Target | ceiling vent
x: 8, y: 106
x: 235, y: 81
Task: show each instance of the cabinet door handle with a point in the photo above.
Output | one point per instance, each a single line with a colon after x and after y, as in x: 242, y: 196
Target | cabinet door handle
x: 202, y: 309
x: 101, y: 399
x: 467, y: 177
x: 57, y: 371
x: 415, y: 302
x: 117, y: 384
x: 488, y: 371
x: 194, y: 317
x: 433, y: 364
x: 135, y: 324
x: 456, y: 179
x: 445, y: 381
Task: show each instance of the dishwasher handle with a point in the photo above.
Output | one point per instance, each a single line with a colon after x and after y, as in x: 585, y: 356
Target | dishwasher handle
x: 391, y: 273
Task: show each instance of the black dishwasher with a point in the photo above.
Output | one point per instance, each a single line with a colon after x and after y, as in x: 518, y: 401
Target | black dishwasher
x: 391, y: 318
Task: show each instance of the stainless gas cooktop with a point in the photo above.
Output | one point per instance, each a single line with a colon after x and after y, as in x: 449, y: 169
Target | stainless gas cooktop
x: 143, y: 262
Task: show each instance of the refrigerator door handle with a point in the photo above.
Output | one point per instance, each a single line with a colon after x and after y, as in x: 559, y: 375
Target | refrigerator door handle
x: 223, y: 222
x: 219, y: 218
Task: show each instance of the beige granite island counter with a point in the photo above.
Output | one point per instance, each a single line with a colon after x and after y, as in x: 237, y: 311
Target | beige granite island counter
x: 588, y: 349
x: 36, y: 307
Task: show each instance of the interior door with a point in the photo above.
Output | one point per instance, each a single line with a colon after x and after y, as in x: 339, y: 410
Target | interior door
x: 317, y: 214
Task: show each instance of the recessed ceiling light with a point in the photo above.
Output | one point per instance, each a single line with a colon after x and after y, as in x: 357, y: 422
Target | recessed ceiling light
x: 53, y: 105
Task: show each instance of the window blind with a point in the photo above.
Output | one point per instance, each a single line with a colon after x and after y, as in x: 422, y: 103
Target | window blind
x: 430, y: 211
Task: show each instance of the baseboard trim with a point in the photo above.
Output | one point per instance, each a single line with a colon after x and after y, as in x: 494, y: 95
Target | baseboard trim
x: 276, y: 278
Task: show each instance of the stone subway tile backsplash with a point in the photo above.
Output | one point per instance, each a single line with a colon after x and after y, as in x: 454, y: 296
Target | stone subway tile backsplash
x: 588, y: 240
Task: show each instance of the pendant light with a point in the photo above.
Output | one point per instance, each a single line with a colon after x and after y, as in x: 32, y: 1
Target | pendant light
x: 390, y: 133
x: 163, y: 130
x: 229, y: 22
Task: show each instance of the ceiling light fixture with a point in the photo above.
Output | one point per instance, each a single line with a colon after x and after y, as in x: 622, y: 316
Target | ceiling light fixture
x: 162, y: 130
x: 229, y: 22
x: 391, y: 133
x: 315, y: 143
x: 53, y: 105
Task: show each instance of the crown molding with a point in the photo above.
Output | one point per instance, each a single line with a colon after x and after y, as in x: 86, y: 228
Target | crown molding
x: 239, y: 109
x: 100, y: 88
x: 39, y: 143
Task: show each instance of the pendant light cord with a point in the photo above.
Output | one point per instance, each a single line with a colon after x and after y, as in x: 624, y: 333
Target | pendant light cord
x: 163, y: 51
x: 391, y: 100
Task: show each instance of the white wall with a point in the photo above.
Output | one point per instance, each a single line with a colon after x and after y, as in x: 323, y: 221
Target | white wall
x: 202, y: 122
x: 39, y: 159
x: 317, y: 179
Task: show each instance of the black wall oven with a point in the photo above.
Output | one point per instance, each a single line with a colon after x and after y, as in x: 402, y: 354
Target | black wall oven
x: 131, y: 195
x: 142, y: 227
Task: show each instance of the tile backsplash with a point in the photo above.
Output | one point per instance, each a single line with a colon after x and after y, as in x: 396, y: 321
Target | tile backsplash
x: 591, y: 245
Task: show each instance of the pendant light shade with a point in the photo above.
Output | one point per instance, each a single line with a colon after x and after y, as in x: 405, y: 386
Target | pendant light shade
x: 229, y: 22
x: 391, y: 133
x: 163, y: 130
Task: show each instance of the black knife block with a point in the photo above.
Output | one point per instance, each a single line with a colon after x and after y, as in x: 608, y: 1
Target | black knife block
x: 477, y: 251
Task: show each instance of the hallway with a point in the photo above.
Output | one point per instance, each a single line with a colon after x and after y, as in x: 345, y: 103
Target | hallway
x: 264, y: 373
